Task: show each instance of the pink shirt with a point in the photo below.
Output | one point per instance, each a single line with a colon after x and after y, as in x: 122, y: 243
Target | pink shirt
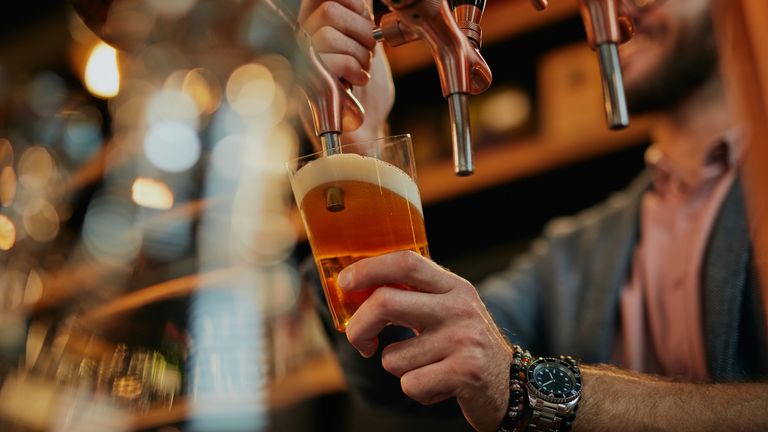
x: 662, y: 328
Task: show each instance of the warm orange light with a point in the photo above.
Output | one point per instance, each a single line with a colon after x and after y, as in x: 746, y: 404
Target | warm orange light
x: 7, y: 186
x: 151, y: 193
x: 7, y: 233
x: 102, y: 76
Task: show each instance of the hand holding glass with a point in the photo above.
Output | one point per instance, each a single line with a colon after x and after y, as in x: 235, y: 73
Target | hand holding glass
x: 360, y: 203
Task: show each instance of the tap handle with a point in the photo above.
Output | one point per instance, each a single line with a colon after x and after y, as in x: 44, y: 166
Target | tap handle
x: 334, y: 108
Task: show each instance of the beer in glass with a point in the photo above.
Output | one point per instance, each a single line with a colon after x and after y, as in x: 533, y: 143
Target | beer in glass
x: 359, y: 203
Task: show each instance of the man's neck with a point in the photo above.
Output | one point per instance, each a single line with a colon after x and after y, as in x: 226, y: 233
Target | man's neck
x: 685, y: 132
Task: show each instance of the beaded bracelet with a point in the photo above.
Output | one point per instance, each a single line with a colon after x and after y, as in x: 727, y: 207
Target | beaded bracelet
x: 518, y: 395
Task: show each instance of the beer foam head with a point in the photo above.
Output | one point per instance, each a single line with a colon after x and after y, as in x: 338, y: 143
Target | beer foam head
x: 349, y: 166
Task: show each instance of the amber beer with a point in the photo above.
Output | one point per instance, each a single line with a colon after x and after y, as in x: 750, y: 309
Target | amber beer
x: 381, y: 213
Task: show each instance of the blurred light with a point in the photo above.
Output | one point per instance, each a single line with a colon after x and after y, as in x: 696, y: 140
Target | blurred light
x: 102, y: 75
x: 281, y: 68
x: 504, y: 110
x: 172, y: 106
x: 228, y: 155
x: 204, y: 88
x: 34, y: 288
x: 268, y: 241
x: 82, y: 136
x: 272, y: 157
x: 7, y: 233
x: 151, y: 193
x: 170, y: 8
x: 46, y: 94
x: 35, y: 167
x: 172, y: 146
x: 129, y: 22
x: 7, y: 186
x: 6, y: 152
x: 41, y: 220
x: 281, y: 290
x: 109, y: 230
x: 251, y: 89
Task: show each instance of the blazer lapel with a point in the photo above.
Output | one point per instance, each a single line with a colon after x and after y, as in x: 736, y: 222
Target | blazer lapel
x: 723, y: 278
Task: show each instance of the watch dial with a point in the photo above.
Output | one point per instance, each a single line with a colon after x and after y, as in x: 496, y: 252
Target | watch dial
x: 553, y: 379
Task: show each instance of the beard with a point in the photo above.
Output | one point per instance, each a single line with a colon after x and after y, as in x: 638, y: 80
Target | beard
x: 691, y: 63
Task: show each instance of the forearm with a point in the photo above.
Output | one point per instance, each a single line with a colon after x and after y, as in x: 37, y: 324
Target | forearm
x: 613, y: 399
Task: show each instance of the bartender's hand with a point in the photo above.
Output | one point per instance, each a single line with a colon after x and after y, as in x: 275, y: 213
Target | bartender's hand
x: 458, y: 351
x: 341, y: 31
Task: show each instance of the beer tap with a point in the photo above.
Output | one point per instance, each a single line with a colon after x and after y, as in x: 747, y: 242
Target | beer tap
x: 454, y: 40
x: 605, y: 30
x: 333, y: 107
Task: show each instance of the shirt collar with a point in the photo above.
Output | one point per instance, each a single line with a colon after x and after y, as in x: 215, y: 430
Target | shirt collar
x: 715, y: 159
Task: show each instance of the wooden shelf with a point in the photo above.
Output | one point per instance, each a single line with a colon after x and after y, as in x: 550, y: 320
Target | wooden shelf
x: 317, y: 377
x: 502, y: 19
x: 525, y: 157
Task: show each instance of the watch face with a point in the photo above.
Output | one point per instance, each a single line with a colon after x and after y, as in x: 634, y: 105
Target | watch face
x: 554, y: 380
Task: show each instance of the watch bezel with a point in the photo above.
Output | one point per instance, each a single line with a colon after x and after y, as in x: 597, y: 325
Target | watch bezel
x: 553, y: 397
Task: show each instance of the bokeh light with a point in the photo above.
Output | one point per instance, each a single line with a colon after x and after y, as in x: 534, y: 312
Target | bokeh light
x: 35, y: 168
x: 172, y: 106
x: 172, y: 146
x: 251, y: 89
x: 82, y: 134
x: 46, y: 94
x: 34, y: 287
x: 7, y: 186
x: 6, y: 152
x: 110, y: 231
x: 151, y: 193
x: 511, y: 101
x: 102, y: 74
x: 204, y: 89
x: 7, y: 233
x: 41, y: 221
x: 228, y: 154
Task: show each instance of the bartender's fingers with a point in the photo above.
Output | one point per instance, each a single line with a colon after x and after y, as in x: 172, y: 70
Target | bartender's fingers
x: 432, y: 383
x: 328, y: 40
x: 411, y: 309
x: 346, y: 21
x: 401, y: 267
x: 347, y: 67
x: 399, y: 358
x: 309, y: 6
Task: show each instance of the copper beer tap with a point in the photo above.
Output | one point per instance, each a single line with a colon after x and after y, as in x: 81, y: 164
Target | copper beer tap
x: 605, y: 30
x: 454, y: 40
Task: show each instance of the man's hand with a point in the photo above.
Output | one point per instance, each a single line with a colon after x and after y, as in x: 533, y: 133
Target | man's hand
x: 458, y: 351
x: 341, y: 32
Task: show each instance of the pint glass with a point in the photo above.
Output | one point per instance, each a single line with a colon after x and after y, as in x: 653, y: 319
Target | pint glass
x: 359, y: 203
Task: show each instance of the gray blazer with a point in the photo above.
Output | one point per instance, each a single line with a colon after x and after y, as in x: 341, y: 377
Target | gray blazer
x: 563, y: 296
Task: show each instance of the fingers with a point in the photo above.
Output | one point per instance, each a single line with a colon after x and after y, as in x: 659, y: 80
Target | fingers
x: 360, y: 7
x: 328, y: 40
x: 346, y: 67
x: 387, y: 306
x: 402, y: 267
x: 398, y: 358
x: 430, y: 384
x: 346, y: 21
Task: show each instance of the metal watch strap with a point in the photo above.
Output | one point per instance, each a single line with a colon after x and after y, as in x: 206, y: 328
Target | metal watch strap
x: 547, y: 417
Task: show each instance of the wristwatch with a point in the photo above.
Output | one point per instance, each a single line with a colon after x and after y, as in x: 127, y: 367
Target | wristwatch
x: 554, y: 389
